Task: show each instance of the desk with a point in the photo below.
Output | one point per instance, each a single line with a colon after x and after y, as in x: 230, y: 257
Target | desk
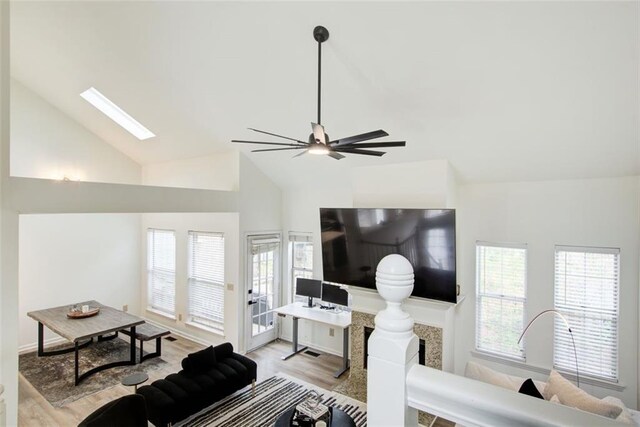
x: 75, y: 330
x: 297, y: 311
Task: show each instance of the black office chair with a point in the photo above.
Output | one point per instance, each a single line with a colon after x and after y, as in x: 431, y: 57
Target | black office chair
x: 127, y: 411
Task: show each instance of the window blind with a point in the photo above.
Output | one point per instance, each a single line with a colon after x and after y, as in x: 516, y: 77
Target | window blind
x: 587, y: 293
x: 161, y: 270
x: 206, y: 279
x: 501, y: 272
x: 301, y: 260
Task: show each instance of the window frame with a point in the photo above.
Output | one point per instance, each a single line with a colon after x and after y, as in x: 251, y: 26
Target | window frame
x: 563, y: 308
x: 298, y: 237
x: 480, y: 295
x: 152, y: 271
x: 201, y: 321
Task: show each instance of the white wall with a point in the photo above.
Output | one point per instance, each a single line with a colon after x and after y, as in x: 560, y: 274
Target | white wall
x: 260, y: 211
x: 182, y: 223
x: 69, y: 258
x: 218, y: 172
x: 426, y: 184
x: 46, y: 143
x: 301, y: 213
x: 598, y: 212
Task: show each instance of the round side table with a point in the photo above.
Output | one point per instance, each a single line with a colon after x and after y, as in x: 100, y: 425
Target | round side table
x: 135, y: 380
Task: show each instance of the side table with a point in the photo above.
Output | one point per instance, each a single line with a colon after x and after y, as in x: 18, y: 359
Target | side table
x: 135, y: 380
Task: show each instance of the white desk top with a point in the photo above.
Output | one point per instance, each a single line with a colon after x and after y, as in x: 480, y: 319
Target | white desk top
x: 316, y: 314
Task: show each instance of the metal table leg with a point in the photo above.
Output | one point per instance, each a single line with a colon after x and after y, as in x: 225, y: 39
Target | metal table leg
x: 345, y: 353
x: 132, y: 360
x: 294, y: 341
x: 42, y: 352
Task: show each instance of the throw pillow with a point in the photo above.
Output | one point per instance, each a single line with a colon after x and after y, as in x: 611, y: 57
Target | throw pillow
x: 530, y: 389
x: 554, y: 399
x: 571, y: 395
x: 201, y: 361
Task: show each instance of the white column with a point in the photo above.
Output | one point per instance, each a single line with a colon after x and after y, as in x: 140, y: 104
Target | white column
x: 393, y: 348
x: 2, y: 416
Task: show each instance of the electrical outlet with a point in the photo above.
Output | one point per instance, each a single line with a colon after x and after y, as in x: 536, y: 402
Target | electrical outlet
x: 125, y: 307
x: 332, y: 332
x: 229, y: 286
x: 180, y: 317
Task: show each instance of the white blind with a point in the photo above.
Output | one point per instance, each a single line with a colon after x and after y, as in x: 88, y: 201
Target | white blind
x: 161, y: 270
x: 586, y: 292
x: 206, y: 279
x: 501, y: 272
x: 301, y: 247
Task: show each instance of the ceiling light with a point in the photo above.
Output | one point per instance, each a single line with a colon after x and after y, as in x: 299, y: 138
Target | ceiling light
x: 116, y: 113
x: 319, y: 149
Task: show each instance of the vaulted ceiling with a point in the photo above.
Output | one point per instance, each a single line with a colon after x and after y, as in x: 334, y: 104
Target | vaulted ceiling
x: 505, y: 91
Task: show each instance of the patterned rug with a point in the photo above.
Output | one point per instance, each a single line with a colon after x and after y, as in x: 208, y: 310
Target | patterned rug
x: 53, y: 376
x: 273, y: 396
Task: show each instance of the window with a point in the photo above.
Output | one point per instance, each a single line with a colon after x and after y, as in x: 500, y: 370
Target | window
x: 586, y: 292
x: 301, y: 250
x: 501, y: 277
x: 206, y: 279
x: 161, y: 270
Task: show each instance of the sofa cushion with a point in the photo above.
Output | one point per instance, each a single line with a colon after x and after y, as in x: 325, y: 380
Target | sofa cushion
x: 530, y: 389
x: 200, y: 361
x: 571, y: 395
x: 482, y: 373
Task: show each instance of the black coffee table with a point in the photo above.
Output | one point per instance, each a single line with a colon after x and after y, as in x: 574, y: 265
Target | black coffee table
x: 339, y: 418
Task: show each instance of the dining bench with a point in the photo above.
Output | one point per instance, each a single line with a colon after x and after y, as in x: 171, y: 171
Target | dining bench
x: 148, y: 332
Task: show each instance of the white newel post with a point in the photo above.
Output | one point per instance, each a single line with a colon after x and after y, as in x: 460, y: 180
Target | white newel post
x: 393, y: 348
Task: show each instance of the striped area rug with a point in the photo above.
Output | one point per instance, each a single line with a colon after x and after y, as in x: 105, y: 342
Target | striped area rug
x: 273, y: 396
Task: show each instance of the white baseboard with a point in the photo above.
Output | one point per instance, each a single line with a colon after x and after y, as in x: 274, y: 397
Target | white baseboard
x: 27, y: 348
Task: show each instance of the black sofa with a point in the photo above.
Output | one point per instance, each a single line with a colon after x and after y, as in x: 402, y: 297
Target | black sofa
x: 206, y: 377
x: 126, y: 411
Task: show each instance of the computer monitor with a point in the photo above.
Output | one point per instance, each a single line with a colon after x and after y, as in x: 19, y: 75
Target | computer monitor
x: 309, y: 288
x: 334, y: 294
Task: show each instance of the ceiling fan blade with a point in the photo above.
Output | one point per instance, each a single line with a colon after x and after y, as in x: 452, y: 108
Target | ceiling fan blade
x: 240, y: 141
x: 378, y: 144
x: 300, y: 154
x: 357, y: 138
x: 278, y: 136
x: 335, y: 155
x: 278, y: 149
x: 356, y: 151
x: 318, y: 133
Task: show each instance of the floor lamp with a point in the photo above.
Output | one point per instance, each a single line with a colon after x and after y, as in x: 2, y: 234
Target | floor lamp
x: 566, y: 322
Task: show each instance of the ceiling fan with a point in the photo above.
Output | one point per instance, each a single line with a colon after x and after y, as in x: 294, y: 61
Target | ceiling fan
x: 319, y: 142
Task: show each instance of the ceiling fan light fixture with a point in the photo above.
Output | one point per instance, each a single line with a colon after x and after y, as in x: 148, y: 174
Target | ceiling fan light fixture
x: 319, y: 149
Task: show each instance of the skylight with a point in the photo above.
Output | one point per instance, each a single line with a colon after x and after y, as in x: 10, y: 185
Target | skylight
x: 116, y: 113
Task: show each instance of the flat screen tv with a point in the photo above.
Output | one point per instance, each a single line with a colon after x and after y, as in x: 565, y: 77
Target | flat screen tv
x: 355, y: 240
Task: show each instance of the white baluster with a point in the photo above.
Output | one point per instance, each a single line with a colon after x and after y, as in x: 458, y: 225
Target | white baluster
x: 393, y: 348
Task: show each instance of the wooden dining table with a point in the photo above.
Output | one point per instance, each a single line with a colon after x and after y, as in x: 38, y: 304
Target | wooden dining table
x: 82, y: 332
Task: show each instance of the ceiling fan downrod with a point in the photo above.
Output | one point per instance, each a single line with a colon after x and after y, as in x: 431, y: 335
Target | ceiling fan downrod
x: 320, y: 34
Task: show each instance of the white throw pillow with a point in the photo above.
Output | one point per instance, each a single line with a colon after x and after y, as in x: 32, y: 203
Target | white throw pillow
x: 571, y: 395
x: 625, y: 416
x: 555, y: 399
x: 480, y: 372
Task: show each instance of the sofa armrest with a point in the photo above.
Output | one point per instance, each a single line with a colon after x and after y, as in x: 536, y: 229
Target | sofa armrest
x: 251, y: 366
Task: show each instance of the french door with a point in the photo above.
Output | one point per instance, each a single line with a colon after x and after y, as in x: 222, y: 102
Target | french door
x: 263, y: 288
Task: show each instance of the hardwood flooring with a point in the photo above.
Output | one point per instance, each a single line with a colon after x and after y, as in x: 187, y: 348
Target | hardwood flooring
x: 34, y: 410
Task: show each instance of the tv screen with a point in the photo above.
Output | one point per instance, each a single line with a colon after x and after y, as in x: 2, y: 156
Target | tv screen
x: 355, y: 240
x: 334, y: 294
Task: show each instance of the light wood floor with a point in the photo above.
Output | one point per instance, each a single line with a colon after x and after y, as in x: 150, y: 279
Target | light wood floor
x: 34, y: 410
